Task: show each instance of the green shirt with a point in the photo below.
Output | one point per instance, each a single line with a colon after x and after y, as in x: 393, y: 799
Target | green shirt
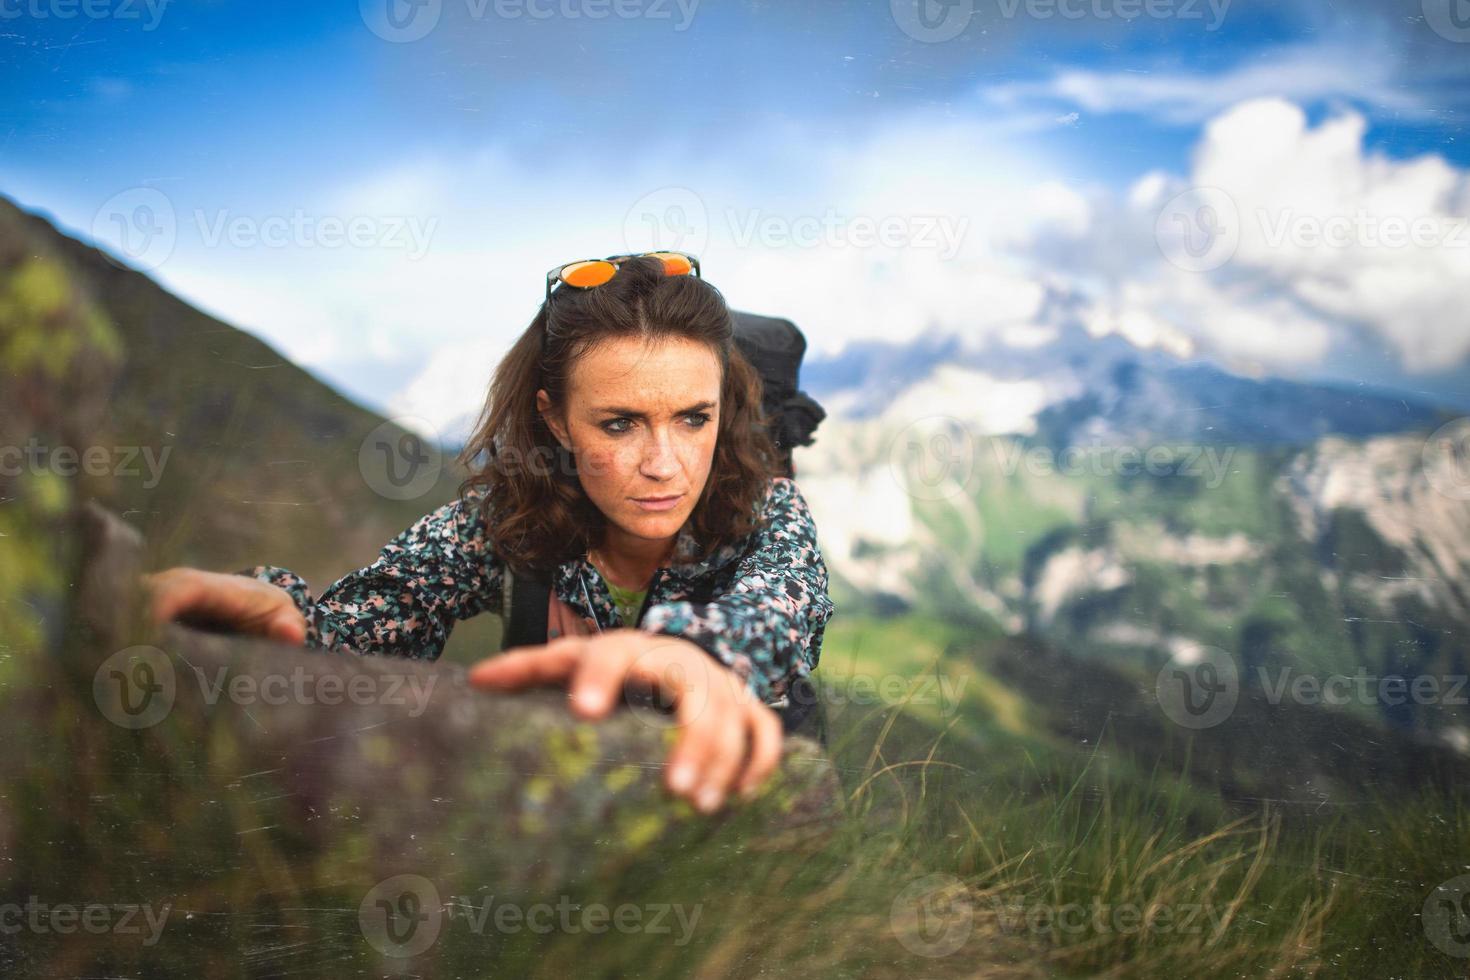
x: 627, y: 601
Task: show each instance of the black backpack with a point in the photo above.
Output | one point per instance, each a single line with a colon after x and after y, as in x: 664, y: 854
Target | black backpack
x: 775, y: 348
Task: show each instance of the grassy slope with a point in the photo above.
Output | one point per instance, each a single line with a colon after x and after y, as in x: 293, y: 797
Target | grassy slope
x: 263, y: 457
x: 1050, y: 786
x: 1270, y: 610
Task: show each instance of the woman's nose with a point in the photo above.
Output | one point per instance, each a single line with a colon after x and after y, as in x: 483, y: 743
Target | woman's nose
x: 659, y: 459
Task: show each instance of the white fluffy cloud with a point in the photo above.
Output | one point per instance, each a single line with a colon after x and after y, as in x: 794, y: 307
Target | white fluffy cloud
x: 924, y: 221
x: 1329, y: 236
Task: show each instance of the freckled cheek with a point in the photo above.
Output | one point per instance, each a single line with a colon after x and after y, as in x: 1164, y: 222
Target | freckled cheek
x: 609, y: 465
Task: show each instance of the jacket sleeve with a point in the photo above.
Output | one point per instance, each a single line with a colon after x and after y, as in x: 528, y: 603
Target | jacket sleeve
x: 768, y: 627
x: 406, y: 602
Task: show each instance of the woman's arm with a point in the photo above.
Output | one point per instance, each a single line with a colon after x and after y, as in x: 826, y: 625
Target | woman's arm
x: 436, y: 572
x: 769, y: 627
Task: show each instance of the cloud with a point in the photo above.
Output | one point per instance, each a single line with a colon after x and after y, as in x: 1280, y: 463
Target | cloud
x: 1308, y: 74
x: 991, y: 240
x: 1353, y: 236
x: 1304, y: 244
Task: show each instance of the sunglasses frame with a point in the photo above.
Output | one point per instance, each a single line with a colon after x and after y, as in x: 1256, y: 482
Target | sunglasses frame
x: 554, y: 276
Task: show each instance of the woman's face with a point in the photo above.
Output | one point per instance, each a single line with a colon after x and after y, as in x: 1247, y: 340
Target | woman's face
x: 641, y: 419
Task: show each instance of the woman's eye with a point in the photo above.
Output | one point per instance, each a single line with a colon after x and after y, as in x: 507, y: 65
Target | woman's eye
x: 614, y: 427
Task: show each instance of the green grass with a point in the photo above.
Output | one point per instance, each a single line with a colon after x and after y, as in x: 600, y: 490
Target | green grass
x: 1040, y: 830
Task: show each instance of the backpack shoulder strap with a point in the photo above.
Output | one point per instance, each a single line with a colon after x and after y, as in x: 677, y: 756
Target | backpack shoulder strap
x: 525, y: 600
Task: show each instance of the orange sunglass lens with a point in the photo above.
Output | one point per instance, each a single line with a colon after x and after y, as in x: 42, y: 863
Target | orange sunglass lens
x: 584, y: 274
x: 674, y: 263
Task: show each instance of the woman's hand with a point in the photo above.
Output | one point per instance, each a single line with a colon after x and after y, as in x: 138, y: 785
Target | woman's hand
x: 730, y: 740
x: 562, y: 620
x: 236, y: 602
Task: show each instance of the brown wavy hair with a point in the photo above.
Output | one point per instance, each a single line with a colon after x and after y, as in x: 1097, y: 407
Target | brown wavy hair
x: 536, y: 513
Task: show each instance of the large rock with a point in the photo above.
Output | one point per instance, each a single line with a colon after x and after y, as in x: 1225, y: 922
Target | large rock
x: 267, y: 801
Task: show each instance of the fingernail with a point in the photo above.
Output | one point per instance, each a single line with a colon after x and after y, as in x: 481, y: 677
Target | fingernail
x: 592, y: 700
x: 682, y: 779
x: 709, y: 799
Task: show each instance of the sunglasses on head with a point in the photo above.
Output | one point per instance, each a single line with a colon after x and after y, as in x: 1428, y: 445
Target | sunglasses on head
x: 587, y: 273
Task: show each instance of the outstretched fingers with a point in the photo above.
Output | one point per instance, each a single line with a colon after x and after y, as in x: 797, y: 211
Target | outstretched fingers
x: 598, y: 680
x: 550, y: 663
x: 765, y: 748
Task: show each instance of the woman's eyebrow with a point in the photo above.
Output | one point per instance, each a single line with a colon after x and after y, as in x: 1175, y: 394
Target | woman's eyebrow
x: 635, y: 414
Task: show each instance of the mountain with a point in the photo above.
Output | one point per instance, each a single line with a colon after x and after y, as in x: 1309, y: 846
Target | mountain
x: 1130, y: 507
x: 1074, y: 388
x: 224, y: 453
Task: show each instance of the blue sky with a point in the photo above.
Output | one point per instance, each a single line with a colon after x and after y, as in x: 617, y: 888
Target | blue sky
x: 479, y: 142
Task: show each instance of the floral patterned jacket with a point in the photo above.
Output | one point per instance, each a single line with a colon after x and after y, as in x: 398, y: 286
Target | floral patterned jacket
x: 759, y: 606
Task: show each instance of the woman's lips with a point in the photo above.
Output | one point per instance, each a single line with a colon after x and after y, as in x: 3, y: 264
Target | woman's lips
x: 658, y: 503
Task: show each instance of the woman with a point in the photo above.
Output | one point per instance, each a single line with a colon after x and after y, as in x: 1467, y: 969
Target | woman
x: 622, y: 451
